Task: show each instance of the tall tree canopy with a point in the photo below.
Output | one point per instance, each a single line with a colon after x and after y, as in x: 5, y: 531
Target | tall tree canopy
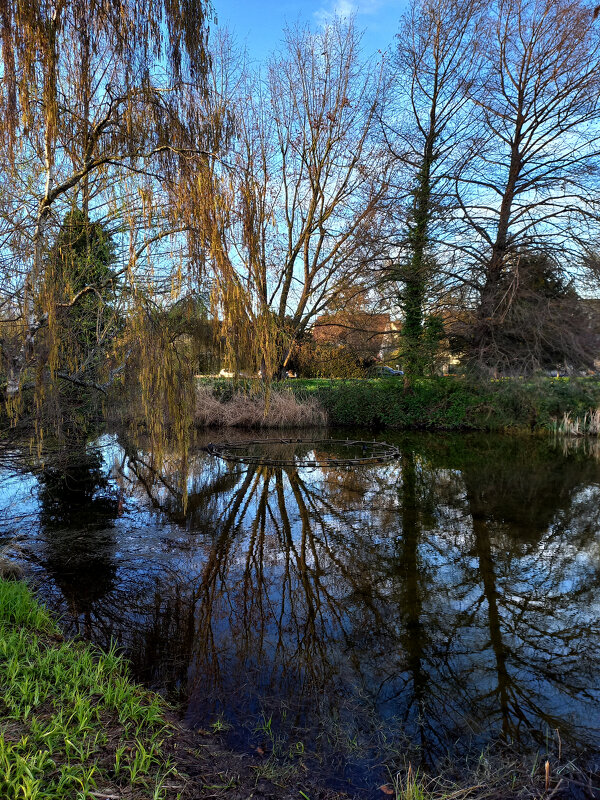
x: 281, y: 192
x: 436, y: 61
x: 497, y: 115
x: 294, y: 219
x: 532, y: 181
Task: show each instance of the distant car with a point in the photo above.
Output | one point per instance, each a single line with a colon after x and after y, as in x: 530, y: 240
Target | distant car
x: 557, y: 373
x: 387, y: 372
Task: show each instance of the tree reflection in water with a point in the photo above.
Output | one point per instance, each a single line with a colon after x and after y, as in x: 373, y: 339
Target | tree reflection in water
x: 428, y: 605
x: 76, y: 515
x: 424, y: 600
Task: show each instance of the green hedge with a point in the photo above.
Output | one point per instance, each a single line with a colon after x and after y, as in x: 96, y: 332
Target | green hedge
x: 452, y: 403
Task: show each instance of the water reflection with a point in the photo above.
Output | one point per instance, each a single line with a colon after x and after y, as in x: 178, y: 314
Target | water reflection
x: 431, y: 604
x: 77, y: 511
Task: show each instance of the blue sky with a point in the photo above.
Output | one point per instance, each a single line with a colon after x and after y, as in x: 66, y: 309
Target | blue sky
x: 259, y: 23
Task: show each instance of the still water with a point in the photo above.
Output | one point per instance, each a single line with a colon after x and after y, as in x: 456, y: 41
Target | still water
x: 432, y: 605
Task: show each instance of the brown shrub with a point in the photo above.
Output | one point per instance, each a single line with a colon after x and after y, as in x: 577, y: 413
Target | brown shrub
x: 281, y: 410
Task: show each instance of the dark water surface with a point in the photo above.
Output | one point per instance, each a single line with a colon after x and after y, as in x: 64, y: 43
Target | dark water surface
x: 350, y: 616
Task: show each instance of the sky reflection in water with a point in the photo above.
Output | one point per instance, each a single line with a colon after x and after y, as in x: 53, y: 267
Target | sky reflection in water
x: 435, y: 603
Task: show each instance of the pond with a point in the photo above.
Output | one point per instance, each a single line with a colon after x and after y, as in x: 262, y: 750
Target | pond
x: 357, y: 616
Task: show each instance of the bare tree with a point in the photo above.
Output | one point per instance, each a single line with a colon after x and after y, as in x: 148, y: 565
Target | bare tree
x: 436, y: 60
x: 293, y: 221
x: 532, y: 181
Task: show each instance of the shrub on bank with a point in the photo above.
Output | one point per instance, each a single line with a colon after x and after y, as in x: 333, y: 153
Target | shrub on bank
x: 328, y: 360
x: 453, y: 403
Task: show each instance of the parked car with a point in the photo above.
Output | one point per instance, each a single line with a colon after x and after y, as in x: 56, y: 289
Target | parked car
x: 383, y: 371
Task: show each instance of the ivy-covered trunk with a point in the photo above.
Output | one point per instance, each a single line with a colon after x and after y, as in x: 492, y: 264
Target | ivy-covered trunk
x: 414, y: 275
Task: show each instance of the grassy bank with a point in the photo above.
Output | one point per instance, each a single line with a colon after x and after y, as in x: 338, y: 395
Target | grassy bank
x: 72, y: 724
x: 431, y: 404
x: 453, y: 403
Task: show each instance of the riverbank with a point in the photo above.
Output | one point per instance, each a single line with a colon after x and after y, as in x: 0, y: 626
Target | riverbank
x: 440, y: 404
x: 454, y: 403
x: 72, y: 723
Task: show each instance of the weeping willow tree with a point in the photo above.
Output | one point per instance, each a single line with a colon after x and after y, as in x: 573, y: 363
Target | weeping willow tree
x: 103, y: 103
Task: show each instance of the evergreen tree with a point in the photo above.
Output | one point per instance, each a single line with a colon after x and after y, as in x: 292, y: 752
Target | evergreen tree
x: 81, y: 281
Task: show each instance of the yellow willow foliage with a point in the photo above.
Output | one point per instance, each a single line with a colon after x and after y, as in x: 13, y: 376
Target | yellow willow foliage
x: 33, y: 35
x: 252, y: 334
x: 165, y: 382
x: 252, y: 338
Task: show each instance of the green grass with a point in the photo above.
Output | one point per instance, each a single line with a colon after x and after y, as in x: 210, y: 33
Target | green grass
x: 449, y: 403
x: 452, y: 403
x: 72, y: 723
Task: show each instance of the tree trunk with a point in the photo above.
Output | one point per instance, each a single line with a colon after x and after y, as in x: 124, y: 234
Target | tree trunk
x: 415, y: 275
x: 483, y: 334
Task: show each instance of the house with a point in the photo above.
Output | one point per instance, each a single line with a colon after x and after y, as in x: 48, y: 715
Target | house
x: 369, y: 336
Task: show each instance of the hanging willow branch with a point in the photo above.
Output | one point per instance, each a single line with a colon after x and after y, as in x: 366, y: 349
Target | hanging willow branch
x: 100, y: 103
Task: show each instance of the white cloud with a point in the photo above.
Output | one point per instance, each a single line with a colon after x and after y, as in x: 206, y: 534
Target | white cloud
x: 345, y: 8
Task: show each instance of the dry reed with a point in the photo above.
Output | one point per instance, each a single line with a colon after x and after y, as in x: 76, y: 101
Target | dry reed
x: 9, y: 569
x: 589, y: 425
x: 281, y: 410
x: 589, y: 447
